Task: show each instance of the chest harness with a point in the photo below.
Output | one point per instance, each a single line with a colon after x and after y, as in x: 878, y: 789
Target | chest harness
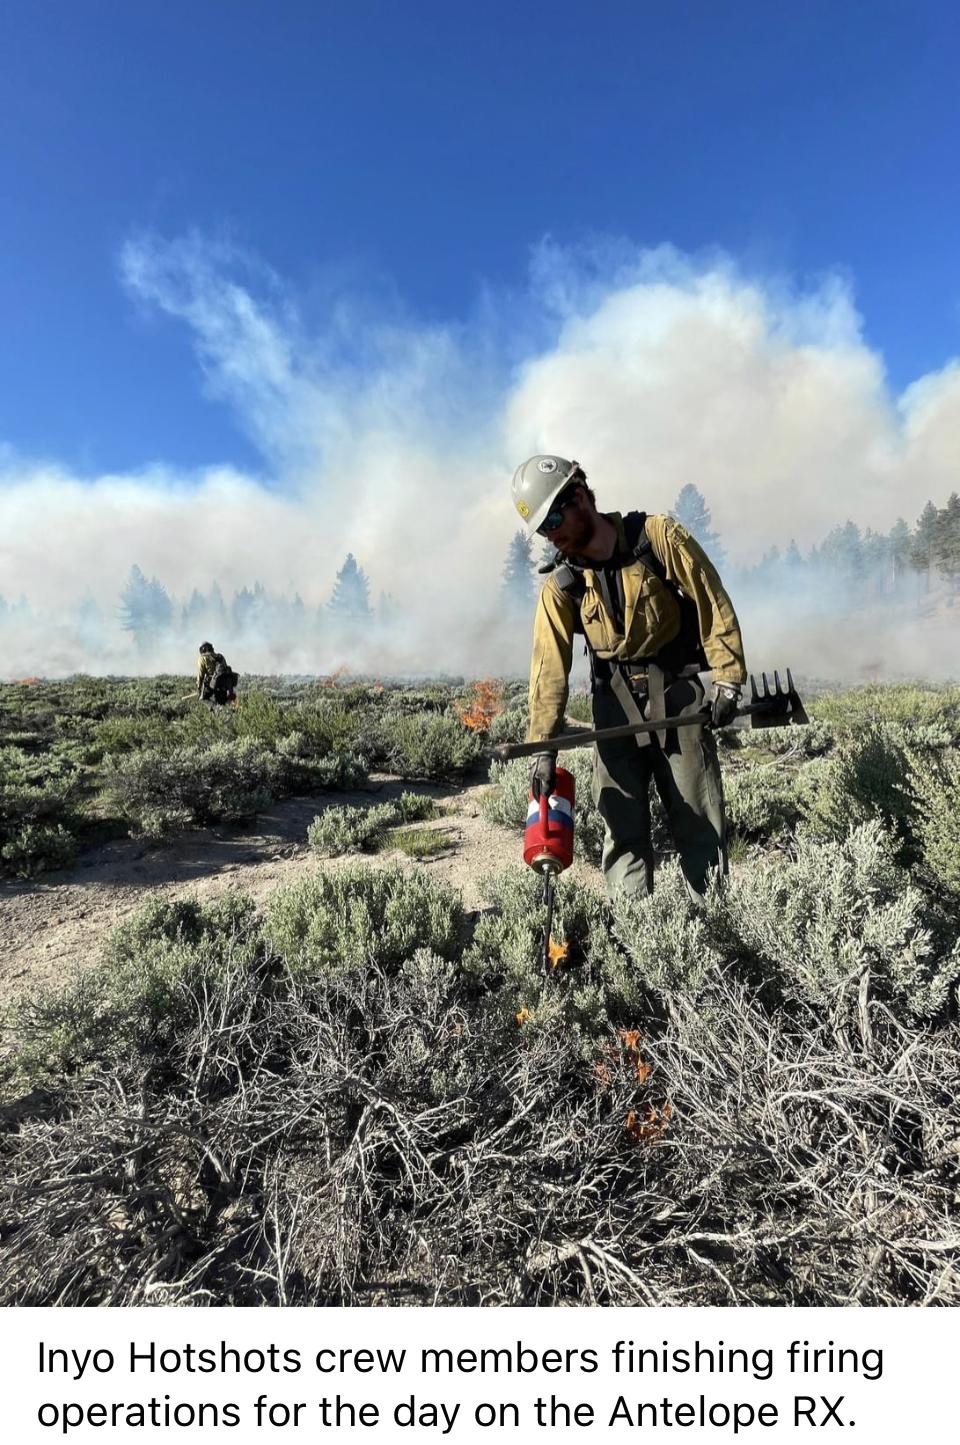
x: 643, y: 678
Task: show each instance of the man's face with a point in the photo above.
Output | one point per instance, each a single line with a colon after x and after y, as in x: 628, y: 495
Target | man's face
x: 576, y: 527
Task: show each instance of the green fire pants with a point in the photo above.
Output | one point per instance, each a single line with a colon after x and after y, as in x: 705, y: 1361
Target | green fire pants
x: 686, y: 770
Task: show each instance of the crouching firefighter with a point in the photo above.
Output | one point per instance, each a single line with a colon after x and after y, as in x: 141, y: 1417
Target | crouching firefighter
x: 216, y: 680
x: 654, y: 614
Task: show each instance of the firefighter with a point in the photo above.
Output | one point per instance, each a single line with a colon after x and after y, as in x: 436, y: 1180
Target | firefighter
x: 653, y: 614
x: 216, y: 680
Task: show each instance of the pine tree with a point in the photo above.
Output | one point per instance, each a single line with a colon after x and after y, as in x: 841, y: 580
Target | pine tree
x: 946, y: 548
x: 691, y: 511
x: 924, y: 538
x: 216, y: 609
x: 842, y: 552
x: 145, y: 609
x: 898, y: 541
x: 547, y: 553
x: 519, y: 589
x: 249, y: 609
x: 350, y: 598
x: 193, y: 613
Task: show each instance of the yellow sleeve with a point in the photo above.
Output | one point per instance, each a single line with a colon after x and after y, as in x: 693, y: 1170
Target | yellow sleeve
x: 553, y: 633
x: 201, y: 668
x: 690, y: 568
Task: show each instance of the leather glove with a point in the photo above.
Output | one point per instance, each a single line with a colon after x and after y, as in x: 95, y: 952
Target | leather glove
x: 726, y: 700
x: 543, y: 774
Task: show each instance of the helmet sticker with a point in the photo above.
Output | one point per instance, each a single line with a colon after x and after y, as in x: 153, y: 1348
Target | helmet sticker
x: 547, y: 464
x: 522, y: 508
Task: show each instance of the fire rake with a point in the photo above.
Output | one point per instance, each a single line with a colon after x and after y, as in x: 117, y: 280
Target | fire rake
x: 775, y: 707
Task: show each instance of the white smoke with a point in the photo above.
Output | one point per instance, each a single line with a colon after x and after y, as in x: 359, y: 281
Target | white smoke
x: 396, y: 441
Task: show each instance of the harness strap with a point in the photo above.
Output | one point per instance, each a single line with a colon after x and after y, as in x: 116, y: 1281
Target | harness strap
x: 621, y: 691
x: 657, y: 688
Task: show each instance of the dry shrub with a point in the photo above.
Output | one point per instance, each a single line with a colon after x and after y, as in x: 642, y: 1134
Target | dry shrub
x: 428, y: 745
x: 936, y: 784
x: 761, y: 802
x: 336, y: 923
x: 358, y: 1099
x: 840, y: 916
x: 37, y: 801
x: 866, y: 778
x: 227, y: 782
x: 353, y: 828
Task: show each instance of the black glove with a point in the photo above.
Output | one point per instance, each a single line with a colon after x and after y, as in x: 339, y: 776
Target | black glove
x: 543, y: 774
x: 726, y: 701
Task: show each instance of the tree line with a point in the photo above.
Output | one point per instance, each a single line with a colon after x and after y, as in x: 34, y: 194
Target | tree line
x: 865, y: 565
x: 146, y: 611
x: 868, y: 563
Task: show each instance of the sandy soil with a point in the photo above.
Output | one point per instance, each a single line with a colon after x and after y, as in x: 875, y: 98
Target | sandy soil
x: 55, y: 924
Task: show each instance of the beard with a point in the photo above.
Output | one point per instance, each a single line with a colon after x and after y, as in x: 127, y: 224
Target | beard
x: 579, y: 533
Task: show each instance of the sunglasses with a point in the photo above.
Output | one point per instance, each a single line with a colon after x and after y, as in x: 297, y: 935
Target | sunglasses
x: 554, y: 517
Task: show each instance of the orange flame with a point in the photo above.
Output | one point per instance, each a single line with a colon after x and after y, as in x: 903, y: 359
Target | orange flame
x: 479, y: 712
x: 630, y: 1038
x: 521, y: 1017
x: 28, y: 681
x: 557, y: 952
x: 650, y: 1125
x: 334, y: 678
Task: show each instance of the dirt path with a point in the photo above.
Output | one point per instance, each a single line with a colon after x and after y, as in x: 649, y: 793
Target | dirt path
x: 55, y: 924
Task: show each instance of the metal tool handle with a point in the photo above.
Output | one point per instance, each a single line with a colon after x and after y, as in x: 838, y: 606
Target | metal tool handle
x: 580, y: 739
x: 785, y: 707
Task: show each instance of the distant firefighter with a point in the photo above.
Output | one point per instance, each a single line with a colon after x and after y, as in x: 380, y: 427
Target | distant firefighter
x: 216, y: 680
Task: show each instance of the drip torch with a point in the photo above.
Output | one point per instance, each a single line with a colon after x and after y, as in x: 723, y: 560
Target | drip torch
x: 548, y: 842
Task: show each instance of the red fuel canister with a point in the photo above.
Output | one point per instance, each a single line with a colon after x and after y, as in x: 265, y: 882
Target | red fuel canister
x: 548, y: 838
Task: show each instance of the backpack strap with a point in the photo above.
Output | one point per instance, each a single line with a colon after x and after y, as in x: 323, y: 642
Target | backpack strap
x: 569, y: 578
x: 686, y: 649
x: 635, y: 531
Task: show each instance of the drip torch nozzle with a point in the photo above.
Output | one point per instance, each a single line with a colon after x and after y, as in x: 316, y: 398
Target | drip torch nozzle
x: 548, y: 843
x: 550, y: 871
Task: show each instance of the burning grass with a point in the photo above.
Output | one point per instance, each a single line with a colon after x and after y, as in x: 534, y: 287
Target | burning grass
x: 485, y: 703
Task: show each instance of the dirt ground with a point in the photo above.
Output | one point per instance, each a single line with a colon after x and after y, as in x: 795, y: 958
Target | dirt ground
x: 53, y: 925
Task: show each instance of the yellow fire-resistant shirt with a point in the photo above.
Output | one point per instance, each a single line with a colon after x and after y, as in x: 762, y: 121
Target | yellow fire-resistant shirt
x: 206, y: 663
x: 651, y: 620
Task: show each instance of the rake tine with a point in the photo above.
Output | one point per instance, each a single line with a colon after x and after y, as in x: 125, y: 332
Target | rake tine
x: 777, y: 688
x: 766, y: 686
x: 754, y: 695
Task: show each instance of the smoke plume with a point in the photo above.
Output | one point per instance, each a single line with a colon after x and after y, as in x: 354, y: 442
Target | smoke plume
x: 396, y: 440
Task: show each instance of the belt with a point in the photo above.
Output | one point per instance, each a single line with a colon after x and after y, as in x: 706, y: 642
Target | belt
x: 637, y: 682
x: 637, y: 676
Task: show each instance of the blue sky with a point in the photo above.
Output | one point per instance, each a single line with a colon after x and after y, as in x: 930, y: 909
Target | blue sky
x: 411, y: 156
